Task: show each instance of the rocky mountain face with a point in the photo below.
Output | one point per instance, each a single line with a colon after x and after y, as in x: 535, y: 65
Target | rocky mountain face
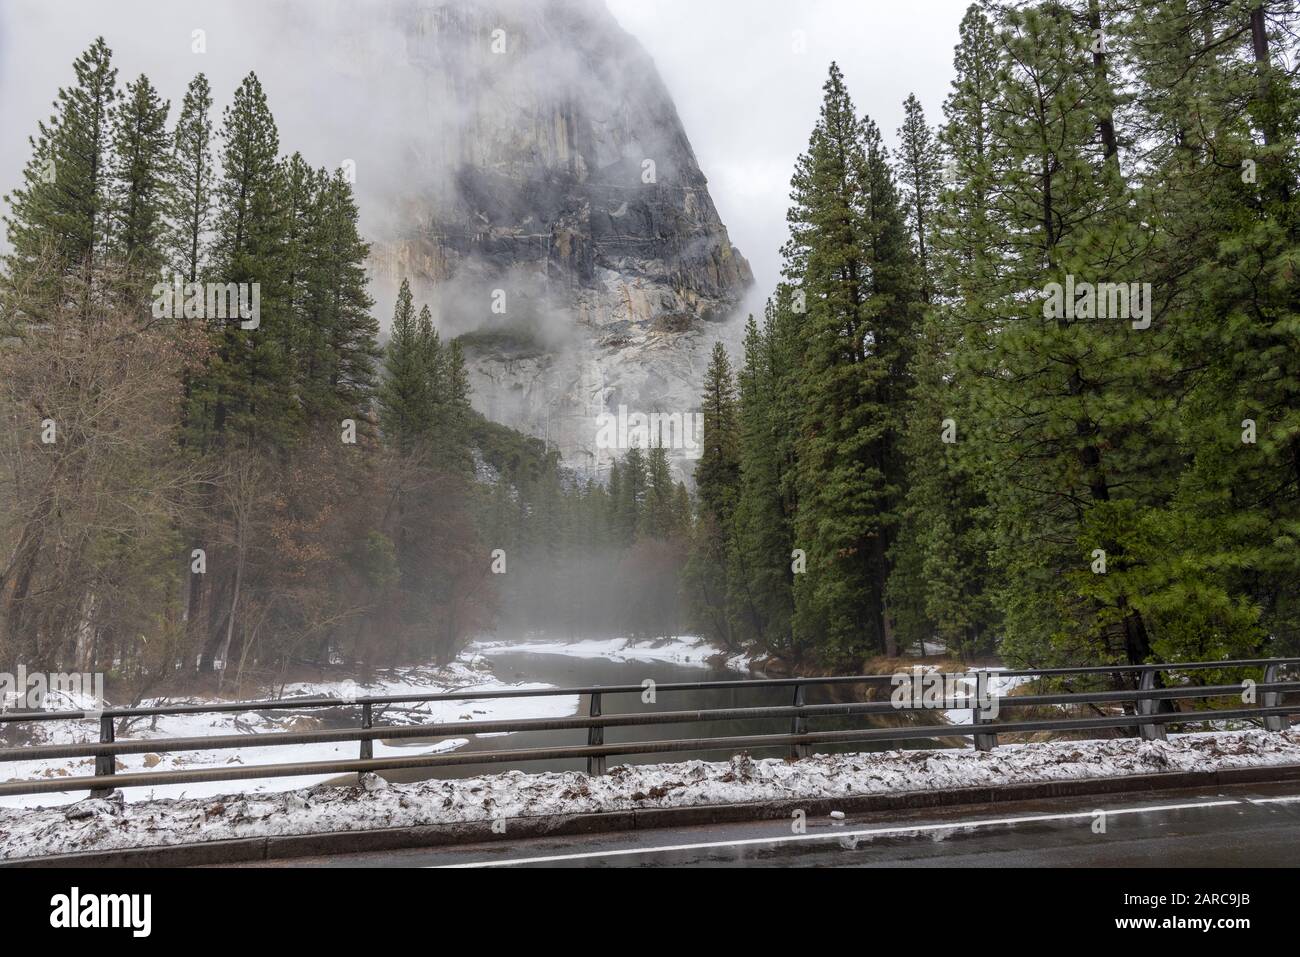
x: 553, y: 214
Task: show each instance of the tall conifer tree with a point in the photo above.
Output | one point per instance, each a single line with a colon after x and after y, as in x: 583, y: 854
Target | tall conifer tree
x: 59, y: 219
x: 193, y: 181
x: 140, y: 179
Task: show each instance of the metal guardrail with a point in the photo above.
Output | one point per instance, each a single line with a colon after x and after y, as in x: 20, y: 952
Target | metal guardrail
x: 1145, y: 701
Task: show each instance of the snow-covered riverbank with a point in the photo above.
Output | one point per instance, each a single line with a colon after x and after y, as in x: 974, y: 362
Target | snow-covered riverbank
x: 472, y: 672
x: 100, y: 825
x: 460, y: 676
x: 682, y: 650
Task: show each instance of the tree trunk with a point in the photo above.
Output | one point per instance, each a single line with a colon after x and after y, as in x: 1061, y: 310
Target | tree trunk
x: 1105, y: 121
x: 230, y: 622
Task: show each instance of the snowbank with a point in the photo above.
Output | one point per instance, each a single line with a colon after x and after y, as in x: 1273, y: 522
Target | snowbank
x: 459, y: 676
x: 683, y: 650
x: 471, y: 672
x: 98, y: 824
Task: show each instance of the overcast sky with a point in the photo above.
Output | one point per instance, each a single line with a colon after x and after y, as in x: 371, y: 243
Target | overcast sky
x: 749, y: 101
x: 746, y: 75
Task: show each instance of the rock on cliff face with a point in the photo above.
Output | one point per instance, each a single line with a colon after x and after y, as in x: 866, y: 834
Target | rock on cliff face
x: 556, y: 218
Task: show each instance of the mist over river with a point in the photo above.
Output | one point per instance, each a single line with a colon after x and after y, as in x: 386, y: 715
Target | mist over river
x: 573, y: 666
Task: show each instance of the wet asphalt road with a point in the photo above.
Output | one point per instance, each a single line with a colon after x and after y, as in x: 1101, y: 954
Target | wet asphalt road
x: 1254, y: 825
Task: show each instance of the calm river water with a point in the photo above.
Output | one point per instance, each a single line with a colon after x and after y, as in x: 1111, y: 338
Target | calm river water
x: 566, y: 672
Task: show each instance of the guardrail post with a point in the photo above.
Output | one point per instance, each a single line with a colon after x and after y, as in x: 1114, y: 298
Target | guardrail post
x: 1151, y: 731
x: 799, y: 725
x: 367, y: 722
x: 105, y: 764
x: 595, y: 738
x: 1272, y: 699
x: 983, y: 742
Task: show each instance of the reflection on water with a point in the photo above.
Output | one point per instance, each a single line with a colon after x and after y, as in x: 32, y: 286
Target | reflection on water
x: 565, y: 672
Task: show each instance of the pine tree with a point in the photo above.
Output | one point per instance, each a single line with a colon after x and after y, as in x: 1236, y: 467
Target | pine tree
x: 940, y: 585
x: 613, y: 501
x: 966, y: 234
x: 717, y: 478
x: 657, y: 520
x: 345, y: 299
x: 681, y: 512
x: 632, y: 493
x: 425, y: 398
x: 59, y: 218
x: 140, y: 178
x: 849, y: 254
x: 405, y: 405
x: 250, y: 382
x: 250, y: 145
x: 759, y: 564
x: 1220, y: 577
x: 449, y: 394
x: 455, y: 413
x: 940, y: 582
x: 434, y: 359
x: 919, y: 173
x: 193, y: 180
x: 1072, y: 413
x: 718, y: 469
x: 335, y: 333
x: 302, y: 337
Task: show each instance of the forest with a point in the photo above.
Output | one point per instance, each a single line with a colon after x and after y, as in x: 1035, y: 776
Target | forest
x: 917, y: 448
x: 920, y: 445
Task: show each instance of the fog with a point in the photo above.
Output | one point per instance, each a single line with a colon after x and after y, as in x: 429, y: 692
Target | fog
x: 747, y: 79
x: 745, y: 76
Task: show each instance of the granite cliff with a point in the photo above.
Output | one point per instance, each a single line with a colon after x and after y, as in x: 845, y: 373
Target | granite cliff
x: 552, y: 211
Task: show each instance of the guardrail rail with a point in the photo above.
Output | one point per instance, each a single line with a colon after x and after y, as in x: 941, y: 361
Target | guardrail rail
x: 1150, y: 707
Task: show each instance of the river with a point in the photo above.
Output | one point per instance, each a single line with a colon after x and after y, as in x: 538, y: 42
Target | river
x: 564, y: 671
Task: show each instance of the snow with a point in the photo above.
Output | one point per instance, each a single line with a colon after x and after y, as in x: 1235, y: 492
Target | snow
x: 963, y: 687
x: 459, y: 676
x: 108, y: 824
x: 684, y: 650
x: 998, y: 686
x: 471, y: 672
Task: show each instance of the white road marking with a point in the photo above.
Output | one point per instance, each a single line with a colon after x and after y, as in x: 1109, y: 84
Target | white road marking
x: 836, y: 835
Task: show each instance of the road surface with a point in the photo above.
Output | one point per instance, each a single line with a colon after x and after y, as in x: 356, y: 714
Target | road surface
x: 1248, y: 825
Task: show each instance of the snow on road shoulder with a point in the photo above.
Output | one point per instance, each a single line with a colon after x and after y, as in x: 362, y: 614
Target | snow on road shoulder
x: 109, y: 824
x: 458, y: 676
